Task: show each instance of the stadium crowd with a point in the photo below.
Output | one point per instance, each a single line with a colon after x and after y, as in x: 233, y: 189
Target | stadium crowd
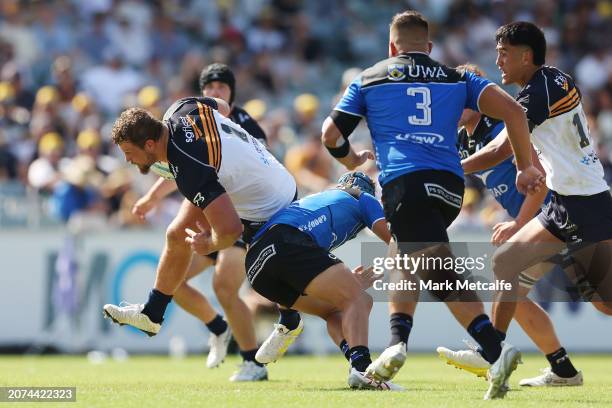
x: 68, y: 68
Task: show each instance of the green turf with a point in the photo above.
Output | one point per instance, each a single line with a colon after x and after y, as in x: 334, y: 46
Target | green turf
x: 294, y: 382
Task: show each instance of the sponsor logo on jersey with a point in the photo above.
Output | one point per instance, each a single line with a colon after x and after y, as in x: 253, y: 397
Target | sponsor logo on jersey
x: 498, y: 190
x: 427, y: 72
x: 187, y: 129
x: 561, y: 80
x: 421, y: 138
x: 263, y: 257
x: 395, y: 72
x: 313, y: 223
x: 199, y: 199
x: 439, y: 192
x: 484, y: 175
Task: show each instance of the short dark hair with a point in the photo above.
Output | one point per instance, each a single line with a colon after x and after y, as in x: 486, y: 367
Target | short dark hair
x: 524, y: 33
x: 408, y: 20
x: 219, y: 72
x: 136, y: 125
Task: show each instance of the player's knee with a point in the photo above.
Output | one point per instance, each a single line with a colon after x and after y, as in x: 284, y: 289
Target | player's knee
x: 225, y: 291
x: 502, y: 264
x: 175, y: 235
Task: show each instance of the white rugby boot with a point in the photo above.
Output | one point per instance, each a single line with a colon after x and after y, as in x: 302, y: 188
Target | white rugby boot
x: 363, y: 381
x: 388, y: 363
x: 218, y: 348
x: 249, y: 371
x: 277, y: 343
x: 550, y: 379
x: 500, y: 372
x: 131, y: 314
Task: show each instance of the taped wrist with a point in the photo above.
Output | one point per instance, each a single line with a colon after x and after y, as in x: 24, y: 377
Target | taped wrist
x: 340, y: 151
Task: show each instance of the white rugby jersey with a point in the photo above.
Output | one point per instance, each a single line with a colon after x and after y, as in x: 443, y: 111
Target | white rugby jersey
x: 560, y: 133
x: 209, y: 154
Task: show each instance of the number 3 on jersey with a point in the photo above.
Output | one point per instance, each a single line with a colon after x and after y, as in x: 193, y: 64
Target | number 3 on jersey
x: 424, y: 118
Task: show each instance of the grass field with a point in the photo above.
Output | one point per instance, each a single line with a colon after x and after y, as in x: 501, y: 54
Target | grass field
x: 294, y: 382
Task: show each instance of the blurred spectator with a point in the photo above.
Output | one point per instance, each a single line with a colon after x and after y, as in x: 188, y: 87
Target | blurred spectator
x: 44, y: 172
x: 45, y: 114
x: 8, y: 161
x: 310, y: 164
x: 108, y: 84
x: 94, y: 38
x: 77, y: 191
x: 21, y: 96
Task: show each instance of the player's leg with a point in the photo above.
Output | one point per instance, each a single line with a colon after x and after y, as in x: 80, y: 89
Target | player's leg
x: 227, y: 279
x: 530, y: 246
x: 194, y: 302
x: 337, y: 286
x: 171, y: 271
x: 189, y: 298
x: 284, y: 334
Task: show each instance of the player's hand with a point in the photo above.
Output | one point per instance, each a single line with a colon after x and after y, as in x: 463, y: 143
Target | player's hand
x: 366, y: 277
x: 530, y: 180
x: 144, y: 204
x: 503, y: 231
x: 363, y: 156
x: 200, y: 242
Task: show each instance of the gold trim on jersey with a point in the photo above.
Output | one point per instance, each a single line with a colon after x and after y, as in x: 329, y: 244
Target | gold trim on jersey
x: 565, y: 104
x: 212, y: 138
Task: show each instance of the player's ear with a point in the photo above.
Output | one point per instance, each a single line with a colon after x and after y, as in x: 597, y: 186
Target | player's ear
x: 149, y: 145
x: 392, y: 49
x: 527, y: 57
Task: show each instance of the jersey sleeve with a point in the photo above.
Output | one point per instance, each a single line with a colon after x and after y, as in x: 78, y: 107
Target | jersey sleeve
x: 196, y: 179
x: 352, y: 101
x: 250, y: 125
x: 371, y: 209
x: 474, y: 87
x: 535, y: 104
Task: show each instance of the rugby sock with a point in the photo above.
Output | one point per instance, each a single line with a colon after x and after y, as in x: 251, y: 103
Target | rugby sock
x: 250, y: 356
x: 485, y: 334
x: 501, y: 334
x: 289, y: 318
x: 401, y: 324
x: 345, y: 349
x: 360, y: 358
x: 156, y: 306
x: 217, y: 325
x: 560, y: 364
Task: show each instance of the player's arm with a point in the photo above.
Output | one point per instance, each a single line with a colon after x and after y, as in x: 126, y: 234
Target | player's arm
x: 341, y: 122
x: 151, y: 198
x: 225, y: 227
x: 374, y: 217
x: 495, y: 152
x: 532, y: 203
x: 335, y: 139
x: 381, y: 229
x: 496, y: 103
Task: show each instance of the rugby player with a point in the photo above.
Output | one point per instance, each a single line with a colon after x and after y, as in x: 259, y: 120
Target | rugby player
x: 412, y: 105
x: 231, y: 184
x: 579, y: 215
x: 216, y: 81
x: 290, y: 263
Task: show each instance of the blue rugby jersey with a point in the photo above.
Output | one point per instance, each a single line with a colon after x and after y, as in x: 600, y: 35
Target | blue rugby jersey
x: 499, y: 180
x: 331, y: 217
x: 412, y: 105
